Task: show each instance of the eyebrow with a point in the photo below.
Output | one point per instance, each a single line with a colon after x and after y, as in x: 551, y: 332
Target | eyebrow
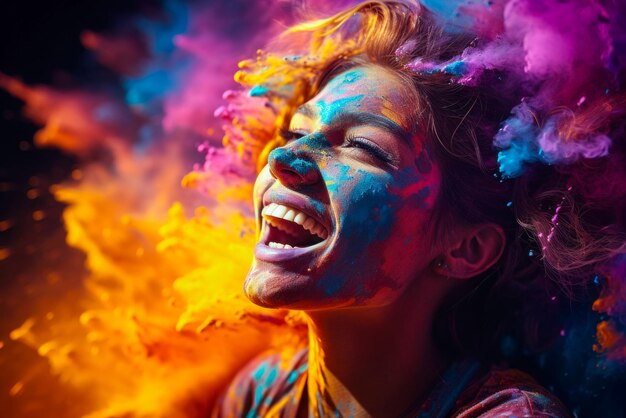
x: 363, y: 118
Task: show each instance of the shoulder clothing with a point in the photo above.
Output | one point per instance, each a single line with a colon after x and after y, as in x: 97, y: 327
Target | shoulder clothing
x: 275, y: 387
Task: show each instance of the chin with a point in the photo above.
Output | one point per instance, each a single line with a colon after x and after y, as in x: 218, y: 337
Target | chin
x: 286, y: 290
x: 269, y: 287
x: 272, y: 287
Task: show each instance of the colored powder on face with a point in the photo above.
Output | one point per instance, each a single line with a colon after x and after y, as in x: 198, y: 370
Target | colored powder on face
x: 342, y: 178
x: 289, y: 157
x: 352, y: 76
x: 332, y: 284
x: 328, y: 112
x: 423, y: 162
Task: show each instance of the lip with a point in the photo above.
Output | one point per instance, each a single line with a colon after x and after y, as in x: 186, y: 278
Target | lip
x: 302, y: 203
x: 274, y: 255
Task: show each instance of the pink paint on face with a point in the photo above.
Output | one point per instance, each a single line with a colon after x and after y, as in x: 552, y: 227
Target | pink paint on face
x: 363, y: 188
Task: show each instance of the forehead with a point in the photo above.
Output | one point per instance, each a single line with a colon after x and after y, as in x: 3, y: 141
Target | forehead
x: 371, y: 89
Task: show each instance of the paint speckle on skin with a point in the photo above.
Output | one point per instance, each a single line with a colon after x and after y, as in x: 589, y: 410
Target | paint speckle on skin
x: 287, y: 157
x: 342, y: 178
x: 352, y: 76
x: 329, y: 111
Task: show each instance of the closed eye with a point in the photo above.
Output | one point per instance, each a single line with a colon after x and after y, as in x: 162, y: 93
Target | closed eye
x: 372, y: 148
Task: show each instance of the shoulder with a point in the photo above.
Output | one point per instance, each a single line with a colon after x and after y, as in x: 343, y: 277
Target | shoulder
x: 508, y: 392
x: 265, y: 380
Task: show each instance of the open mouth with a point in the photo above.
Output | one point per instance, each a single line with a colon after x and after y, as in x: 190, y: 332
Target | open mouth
x: 287, y: 228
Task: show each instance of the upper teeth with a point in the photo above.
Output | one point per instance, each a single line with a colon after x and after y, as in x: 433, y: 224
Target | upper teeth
x: 274, y: 210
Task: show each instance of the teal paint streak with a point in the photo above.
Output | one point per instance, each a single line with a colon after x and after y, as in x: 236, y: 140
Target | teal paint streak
x: 352, y: 76
x: 329, y: 111
x: 341, y: 179
x: 265, y: 377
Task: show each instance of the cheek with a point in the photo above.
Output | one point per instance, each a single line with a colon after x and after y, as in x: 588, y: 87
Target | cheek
x: 403, y: 247
x: 380, y: 218
x: 361, y: 199
x: 358, y: 200
x: 407, y: 249
x: 263, y: 179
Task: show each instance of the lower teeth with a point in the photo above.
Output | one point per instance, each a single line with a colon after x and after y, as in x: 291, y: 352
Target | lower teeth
x: 279, y: 245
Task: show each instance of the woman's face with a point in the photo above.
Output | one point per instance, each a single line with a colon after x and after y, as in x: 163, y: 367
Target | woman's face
x: 343, y: 207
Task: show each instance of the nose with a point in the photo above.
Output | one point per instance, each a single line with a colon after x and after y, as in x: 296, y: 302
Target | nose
x: 292, y: 168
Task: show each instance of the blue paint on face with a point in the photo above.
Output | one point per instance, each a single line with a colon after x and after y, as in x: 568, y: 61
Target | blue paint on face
x: 340, y: 84
x: 342, y: 178
x: 329, y: 111
x: 368, y: 219
x: 379, y: 212
x: 332, y: 284
x: 288, y: 157
x: 351, y: 76
x: 317, y: 142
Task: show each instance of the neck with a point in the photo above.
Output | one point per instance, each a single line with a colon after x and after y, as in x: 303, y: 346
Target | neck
x: 375, y: 362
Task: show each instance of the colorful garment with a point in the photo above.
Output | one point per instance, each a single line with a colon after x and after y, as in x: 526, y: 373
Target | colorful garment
x: 271, y: 387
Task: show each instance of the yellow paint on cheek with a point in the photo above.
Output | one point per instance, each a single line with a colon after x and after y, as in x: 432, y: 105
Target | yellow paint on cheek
x: 323, y: 162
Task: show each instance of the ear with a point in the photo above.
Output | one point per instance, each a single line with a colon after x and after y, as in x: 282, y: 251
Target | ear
x: 475, y: 249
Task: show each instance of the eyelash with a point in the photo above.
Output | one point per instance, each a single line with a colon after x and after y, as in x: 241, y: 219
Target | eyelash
x: 352, y: 140
x: 369, y: 146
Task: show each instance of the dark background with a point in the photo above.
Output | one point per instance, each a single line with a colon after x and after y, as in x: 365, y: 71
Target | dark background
x: 39, y: 44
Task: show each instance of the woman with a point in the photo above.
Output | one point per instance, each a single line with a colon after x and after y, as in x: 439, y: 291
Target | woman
x: 381, y: 216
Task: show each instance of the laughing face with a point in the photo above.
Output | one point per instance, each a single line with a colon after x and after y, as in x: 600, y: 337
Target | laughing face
x: 343, y: 208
